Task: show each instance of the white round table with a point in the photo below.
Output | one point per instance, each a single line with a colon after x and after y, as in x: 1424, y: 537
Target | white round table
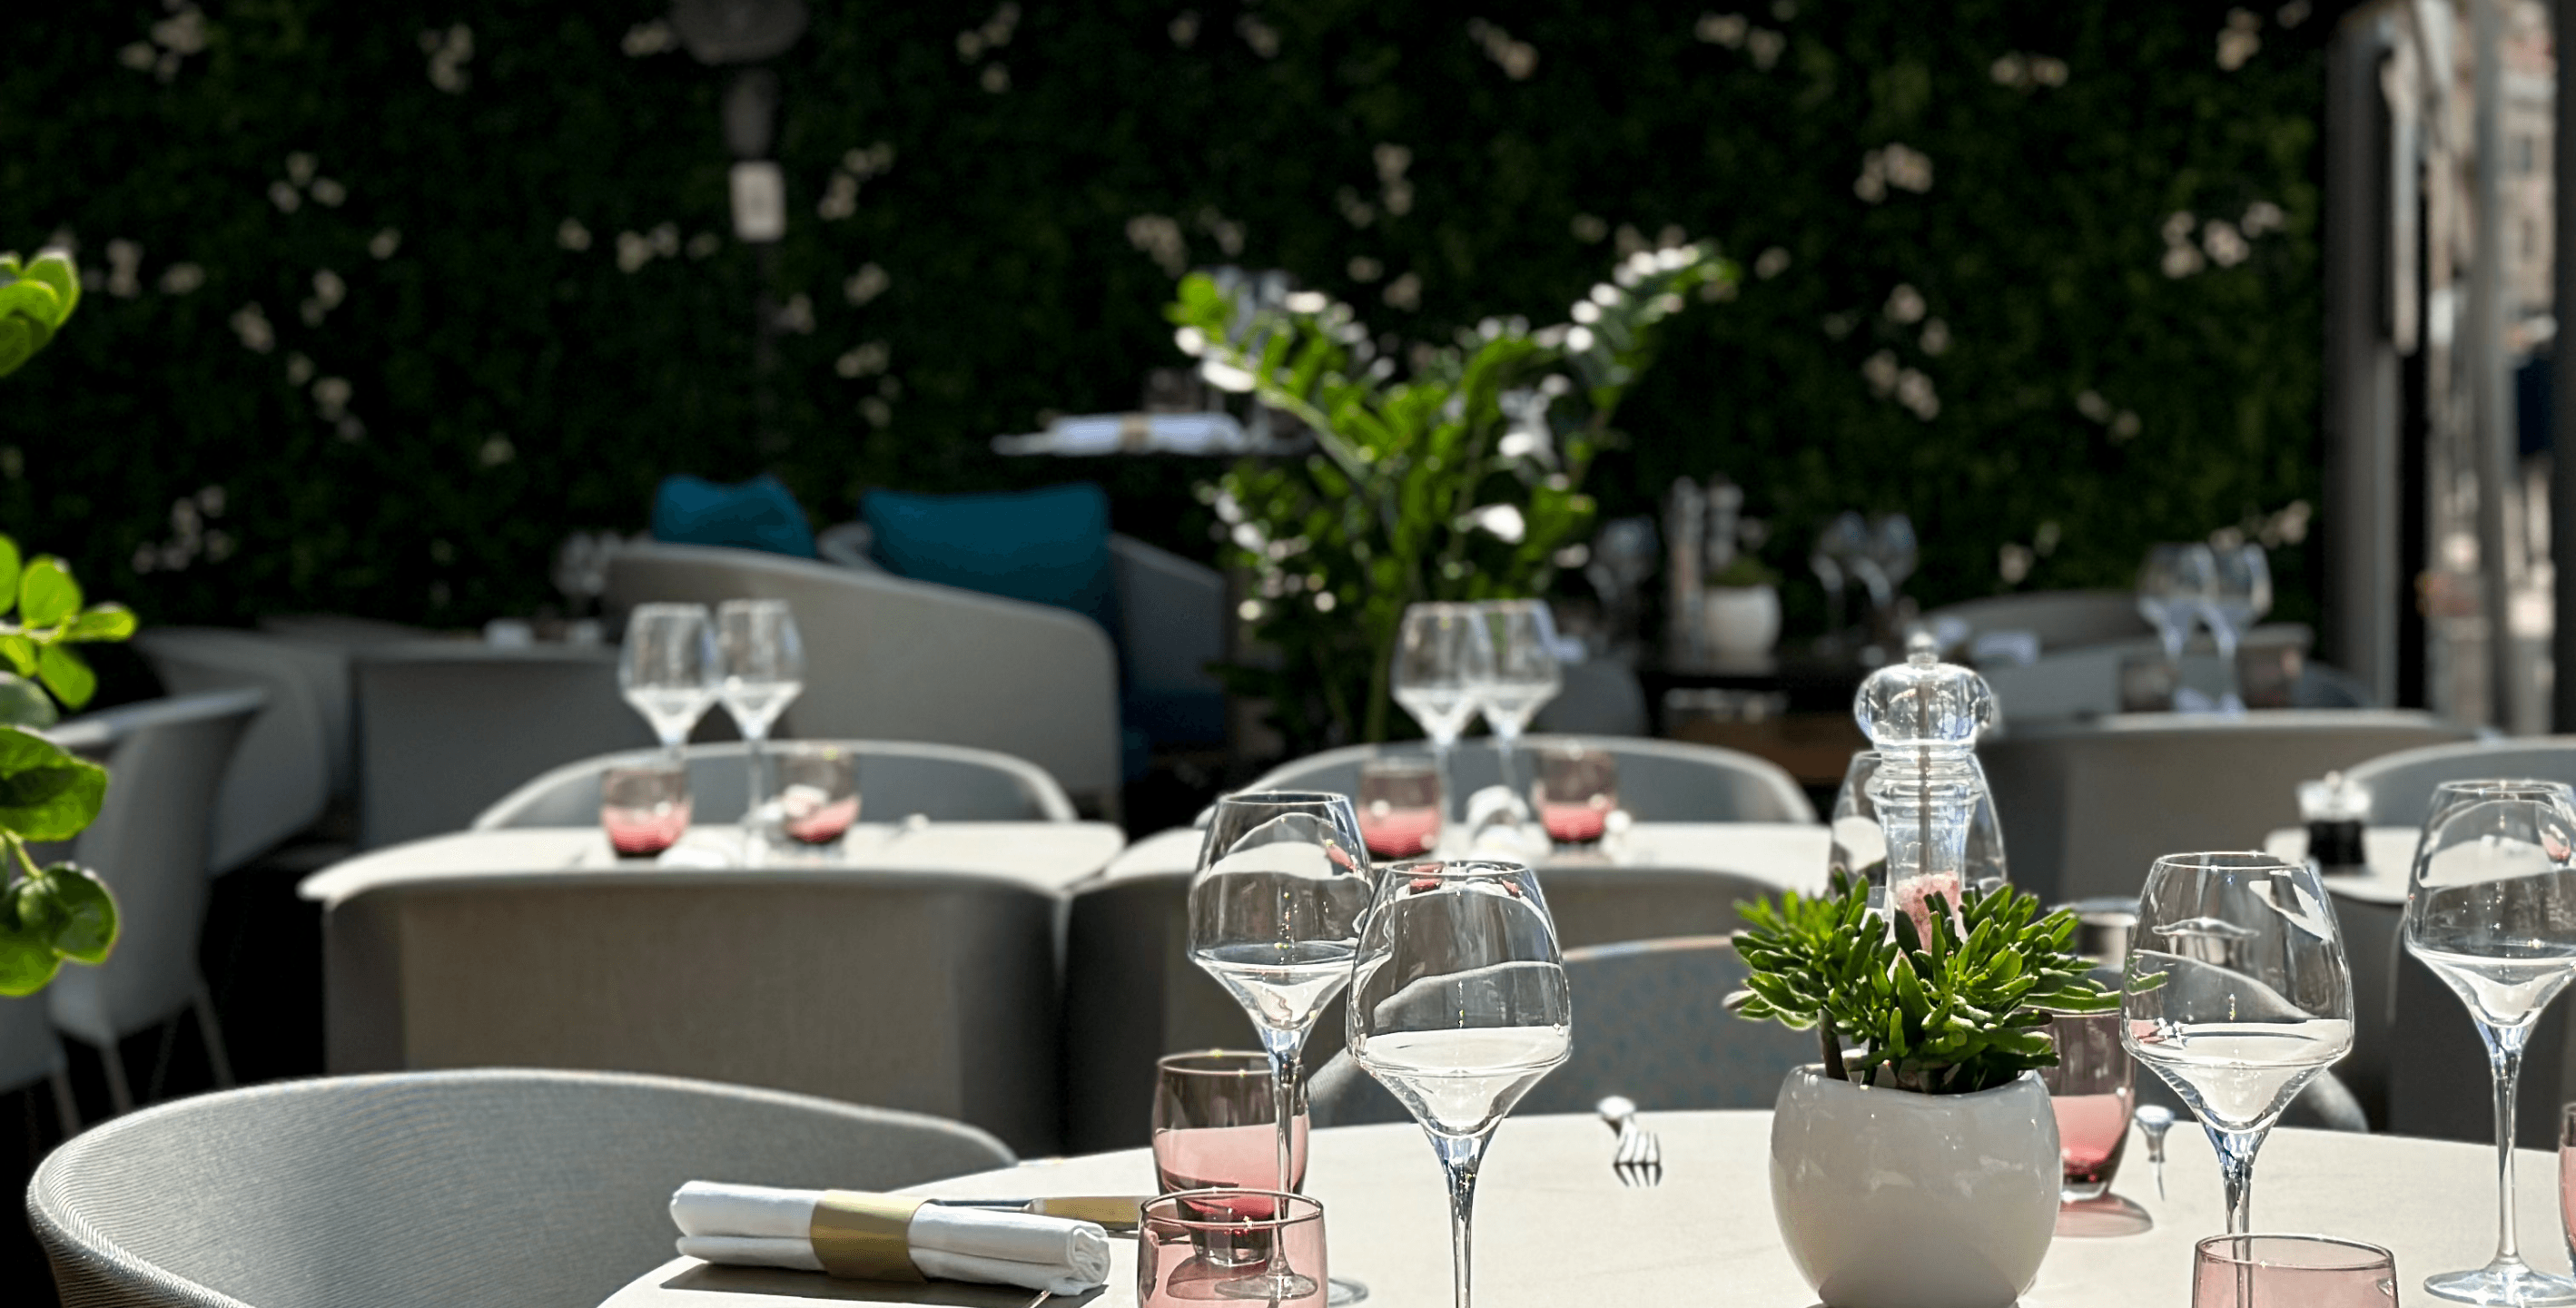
x: 1555, y: 1227
x: 1783, y: 855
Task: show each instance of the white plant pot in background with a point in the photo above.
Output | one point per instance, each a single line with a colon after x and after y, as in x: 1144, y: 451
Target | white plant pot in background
x: 1740, y: 620
x: 1892, y: 1199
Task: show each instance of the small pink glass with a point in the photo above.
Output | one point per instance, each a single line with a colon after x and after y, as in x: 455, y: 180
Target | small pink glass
x: 1201, y: 1246
x: 2291, y: 1271
x: 818, y: 792
x: 2090, y: 1090
x: 2567, y: 1175
x: 644, y: 810
x: 1399, y: 806
x: 1576, y: 791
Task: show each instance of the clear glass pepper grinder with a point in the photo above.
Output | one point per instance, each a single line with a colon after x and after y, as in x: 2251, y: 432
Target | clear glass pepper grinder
x: 1923, y: 716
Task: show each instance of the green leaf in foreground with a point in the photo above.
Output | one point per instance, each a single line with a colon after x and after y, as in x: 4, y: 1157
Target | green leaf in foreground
x: 47, y: 595
x: 46, y: 792
x: 27, y: 961
x: 66, y: 675
x: 76, y: 912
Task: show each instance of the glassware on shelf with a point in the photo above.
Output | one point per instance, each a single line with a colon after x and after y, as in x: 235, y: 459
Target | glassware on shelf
x: 818, y: 793
x: 1523, y: 674
x: 1275, y: 908
x: 2291, y: 1271
x: 1836, y: 560
x: 2237, y: 994
x: 1576, y: 792
x: 1443, y: 657
x: 1400, y: 806
x: 2172, y: 584
x: 763, y: 664
x: 1459, y: 1004
x: 644, y: 809
x: 2491, y: 909
x: 668, y: 668
x: 1204, y: 1246
x: 1858, y: 846
x: 2092, y: 1091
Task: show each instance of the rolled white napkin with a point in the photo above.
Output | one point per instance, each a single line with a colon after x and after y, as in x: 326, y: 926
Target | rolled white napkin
x: 760, y: 1226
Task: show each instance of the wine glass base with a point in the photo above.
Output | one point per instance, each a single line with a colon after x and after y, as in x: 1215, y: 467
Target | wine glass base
x: 1344, y: 1290
x: 2502, y: 1282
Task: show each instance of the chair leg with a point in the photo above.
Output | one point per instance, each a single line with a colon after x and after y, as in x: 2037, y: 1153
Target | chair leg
x: 66, y: 1109
x: 120, y: 1096
x: 161, y: 1060
x: 213, y: 1031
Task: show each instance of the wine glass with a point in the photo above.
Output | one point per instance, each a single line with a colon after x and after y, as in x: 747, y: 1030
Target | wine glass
x: 1523, y: 674
x: 2491, y: 908
x: 1459, y: 1004
x: 2239, y: 593
x: 1836, y: 558
x: 2237, y: 995
x: 2171, y: 584
x: 1283, y: 878
x: 763, y: 660
x: 1443, y: 657
x: 667, y: 668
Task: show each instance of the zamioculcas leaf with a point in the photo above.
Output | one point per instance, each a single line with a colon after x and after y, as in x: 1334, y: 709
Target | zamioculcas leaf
x: 46, y: 793
x: 47, y: 595
x: 64, y: 674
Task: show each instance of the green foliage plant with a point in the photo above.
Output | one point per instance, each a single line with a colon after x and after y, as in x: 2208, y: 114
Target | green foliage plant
x: 36, y: 297
x: 1463, y: 480
x: 1954, y: 1014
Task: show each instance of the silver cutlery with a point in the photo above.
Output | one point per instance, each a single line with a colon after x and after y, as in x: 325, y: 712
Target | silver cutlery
x: 2155, y: 1120
x: 1638, y: 1158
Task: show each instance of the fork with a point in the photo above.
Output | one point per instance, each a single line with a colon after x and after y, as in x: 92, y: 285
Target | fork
x: 1638, y: 1159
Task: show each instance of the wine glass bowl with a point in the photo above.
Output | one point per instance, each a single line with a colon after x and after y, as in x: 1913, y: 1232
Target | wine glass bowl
x: 668, y: 668
x: 1443, y: 657
x: 2238, y: 994
x: 2491, y: 909
x: 2172, y: 584
x: 1522, y: 674
x: 762, y: 659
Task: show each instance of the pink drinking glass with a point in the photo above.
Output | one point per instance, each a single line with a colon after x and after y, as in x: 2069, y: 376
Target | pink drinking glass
x: 2291, y: 1271
x: 2567, y: 1175
x: 1399, y: 806
x: 1216, y: 1126
x: 644, y: 810
x: 1201, y: 1246
x: 1576, y: 790
x: 2091, y: 1091
x: 818, y: 792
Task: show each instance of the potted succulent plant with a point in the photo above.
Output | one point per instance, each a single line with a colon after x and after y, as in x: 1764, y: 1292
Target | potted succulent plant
x: 1916, y: 1165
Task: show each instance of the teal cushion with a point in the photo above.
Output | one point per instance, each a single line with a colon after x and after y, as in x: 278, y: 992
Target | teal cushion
x: 758, y: 514
x: 1044, y: 546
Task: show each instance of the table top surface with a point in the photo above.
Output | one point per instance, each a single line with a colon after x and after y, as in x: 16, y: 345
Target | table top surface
x: 1553, y: 1226
x: 1050, y: 856
x: 1787, y: 855
x: 2389, y: 851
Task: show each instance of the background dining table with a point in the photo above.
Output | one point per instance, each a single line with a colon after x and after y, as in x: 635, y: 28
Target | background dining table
x: 1784, y: 855
x: 1049, y: 856
x: 1555, y: 1226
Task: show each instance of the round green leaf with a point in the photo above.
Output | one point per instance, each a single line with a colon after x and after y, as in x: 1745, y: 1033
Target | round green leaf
x: 66, y: 675
x: 23, y: 704
x: 46, y: 792
x: 47, y: 595
x: 84, y: 923
x: 27, y: 962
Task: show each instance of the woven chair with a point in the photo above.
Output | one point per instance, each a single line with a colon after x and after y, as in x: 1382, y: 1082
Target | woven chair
x: 432, y: 1189
x: 947, y: 783
x: 2401, y: 784
x: 1659, y: 780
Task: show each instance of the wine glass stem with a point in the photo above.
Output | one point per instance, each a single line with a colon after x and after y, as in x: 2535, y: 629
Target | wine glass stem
x: 1460, y: 1155
x: 1504, y: 741
x: 1287, y: 1050
x: 2236, y: 1150
x: 1440, y: 768
x: 756, y: 778
x: 2504, y: 1055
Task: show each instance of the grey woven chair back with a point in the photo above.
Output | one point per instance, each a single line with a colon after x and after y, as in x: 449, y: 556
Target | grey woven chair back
x: 2401, y: 784
x: 948, y: 783
x: 281, y: 778
x: 436, y: 1189
x: 1650, y: 1022
x: 446, y: 728
x: 1659, y: 780
x: 931, y: 992
x: 2087, y: 807
x: 166, y: 761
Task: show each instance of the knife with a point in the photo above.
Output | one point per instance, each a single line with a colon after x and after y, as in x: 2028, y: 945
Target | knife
x: 1114, y: 1212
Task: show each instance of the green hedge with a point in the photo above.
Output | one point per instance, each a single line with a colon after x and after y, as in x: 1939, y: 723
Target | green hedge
x: 503, y: 388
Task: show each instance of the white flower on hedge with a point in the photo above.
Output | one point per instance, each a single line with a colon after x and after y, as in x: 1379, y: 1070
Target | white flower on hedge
x: 383, y: 244
x: 496, y: 451
x: 869, y: 282
x: 250, y: 324
x: 2226, y: 247
x: 1501, y: 521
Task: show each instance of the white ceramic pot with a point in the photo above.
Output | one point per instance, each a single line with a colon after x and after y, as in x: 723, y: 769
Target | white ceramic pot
x: 1743, y: 620
x: 1892, y: 1199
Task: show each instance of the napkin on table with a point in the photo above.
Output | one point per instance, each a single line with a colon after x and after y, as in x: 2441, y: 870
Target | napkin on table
x: 759, y: 1226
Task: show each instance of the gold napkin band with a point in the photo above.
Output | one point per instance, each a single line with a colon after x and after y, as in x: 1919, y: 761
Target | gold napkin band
x: 862, y: 1237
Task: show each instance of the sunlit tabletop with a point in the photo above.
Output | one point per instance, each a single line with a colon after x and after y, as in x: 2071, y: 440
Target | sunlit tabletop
x: 1050, y: 856
x: 1554, y: 1227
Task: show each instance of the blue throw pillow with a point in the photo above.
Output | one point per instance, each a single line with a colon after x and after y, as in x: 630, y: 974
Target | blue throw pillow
x: 1045, y: 546
x: 757, y: 514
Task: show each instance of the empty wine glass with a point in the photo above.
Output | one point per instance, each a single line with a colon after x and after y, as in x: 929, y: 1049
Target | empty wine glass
x: 2240, y: 593
x: 2491, y: 908
x: 2171, y: 585
x: 1523, y: 675
x: 1836, y: 558
x: 1459, y: 1004
x: 764, y: 670
x: 667, y: 668
x: 1275, y: 907
x: 2237, y: 995
x: 1443, y: 657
